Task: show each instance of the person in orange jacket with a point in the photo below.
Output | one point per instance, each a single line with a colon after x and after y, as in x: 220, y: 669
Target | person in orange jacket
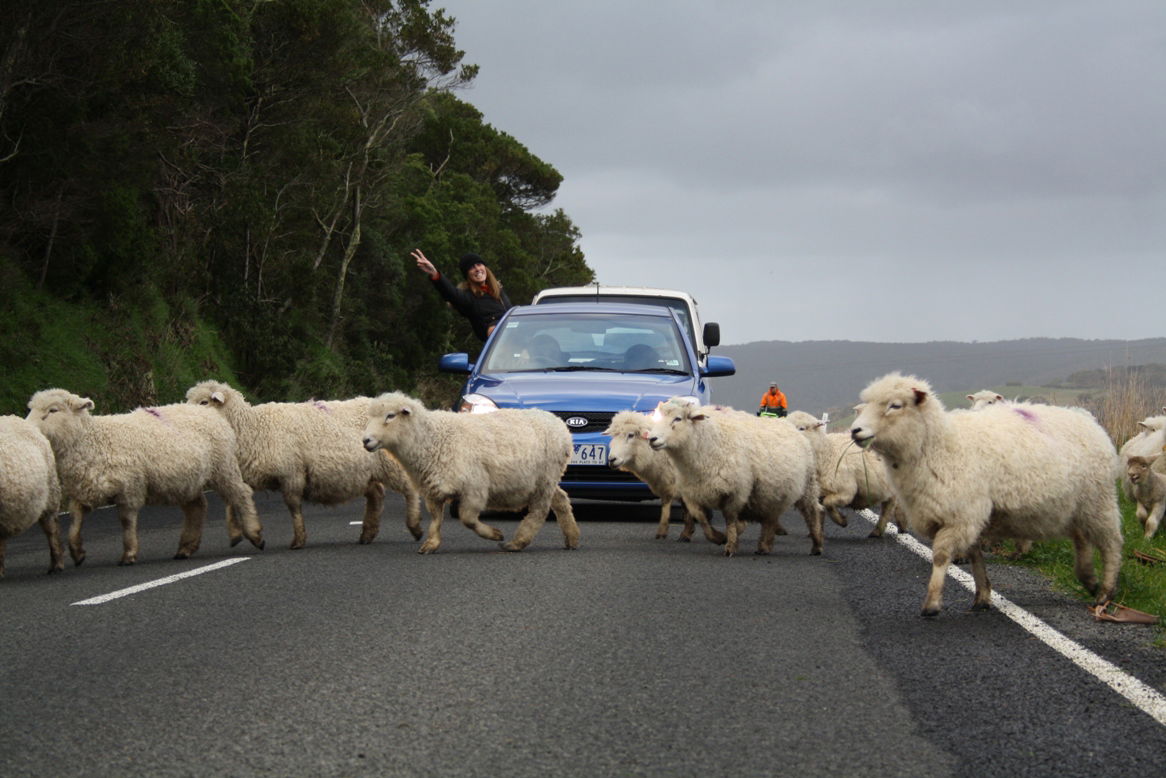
x: 773, y: 402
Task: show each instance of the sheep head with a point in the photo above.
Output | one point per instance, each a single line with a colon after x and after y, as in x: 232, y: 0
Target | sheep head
x: 1138, y: 468
x: 628, y: 431
x: 984, y: 398
x: 675, y: 423
x: 214, y: 394
x: 894, y: 412
x: 390, y: 418
x: 56, y: 411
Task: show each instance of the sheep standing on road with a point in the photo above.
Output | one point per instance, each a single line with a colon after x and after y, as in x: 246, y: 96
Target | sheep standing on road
x: 1148, y: 491
x: 29, y: 489
x: 506, y: 460
x: 747, y: 467
x: 165, y: 455
x: 848, y: 477
x: 1016, y: 471
x: 311, y: 451
x: 629, y: 451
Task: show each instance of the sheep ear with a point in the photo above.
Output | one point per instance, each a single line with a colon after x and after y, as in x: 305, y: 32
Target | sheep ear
x: 218, y: 398
x: 973, y: 399
x: 698, y: 416
x: 405, y: 412
x: 645, y: 434
x: 1143, y: 425
x: 920, y: 396
x: 82, y: 404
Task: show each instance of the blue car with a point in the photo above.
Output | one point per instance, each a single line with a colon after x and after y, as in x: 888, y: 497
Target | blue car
x: 585, y: 362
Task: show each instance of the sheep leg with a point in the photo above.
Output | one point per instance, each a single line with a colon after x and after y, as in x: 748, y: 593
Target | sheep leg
x: 768, y: 531
x: 884, y: 517
x: 374, y: 502
x: 665, y: 513
x: 812, y: 513
x: 1111, y: 551
x: 831, y: 504
x: 233, y: 531
x: 945, y: 546
x: 433, y: 537
x: 701, y: 515
x: 77, y: 512
x: 49, y: 524
x: 194, y: 514
x: 240, y: 498
x: 532, y: 522
x: 733, y: 529
x: 128, y: 516
x: 983, y: 600
x: 295, y: 505
x: 469, y: 517
x: 565, y: 518
x: 413, y: 512
x: 1155, y: 516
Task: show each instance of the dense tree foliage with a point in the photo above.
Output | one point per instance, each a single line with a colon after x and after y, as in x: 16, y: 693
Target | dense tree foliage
x: 257, y: 171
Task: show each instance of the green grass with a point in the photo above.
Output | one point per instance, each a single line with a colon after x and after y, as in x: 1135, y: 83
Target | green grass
x: 1140, y: 586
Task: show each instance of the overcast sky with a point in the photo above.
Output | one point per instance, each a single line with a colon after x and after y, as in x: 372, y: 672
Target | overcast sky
x: 861, y: 170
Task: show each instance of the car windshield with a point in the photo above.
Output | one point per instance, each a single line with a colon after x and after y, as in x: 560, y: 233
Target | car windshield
x: 624, y: 343
x: 661, y: 302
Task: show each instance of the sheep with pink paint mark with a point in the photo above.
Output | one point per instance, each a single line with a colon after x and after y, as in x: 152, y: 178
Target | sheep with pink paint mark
x: 1019, y: 471
x: 167, y: 455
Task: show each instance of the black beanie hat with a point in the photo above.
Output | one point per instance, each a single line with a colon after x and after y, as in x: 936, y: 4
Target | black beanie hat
x: 467, y: 261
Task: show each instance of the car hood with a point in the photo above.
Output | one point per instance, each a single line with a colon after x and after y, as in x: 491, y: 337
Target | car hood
x: 582, y: 391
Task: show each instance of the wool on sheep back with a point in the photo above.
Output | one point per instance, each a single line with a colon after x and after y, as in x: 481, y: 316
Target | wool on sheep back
x: 746, y: 467
x: 166, y: 455
x: 1020, y: 471
x: 29, y: 489
x: 506, y: 460
x: 311, y: 451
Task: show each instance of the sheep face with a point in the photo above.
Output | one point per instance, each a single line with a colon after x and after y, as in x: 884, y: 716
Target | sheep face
x: 209, y: 393
x: 892, y: 413
x: 57, y: 413
x: 805, y: 422
x: 628, y: 432
x: 675, y: 425
x: 984, y: 398
x: 1138, y: 469
x: 390, y: 418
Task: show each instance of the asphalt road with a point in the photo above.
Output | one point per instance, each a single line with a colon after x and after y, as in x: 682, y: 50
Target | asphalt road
x: 628, y: 657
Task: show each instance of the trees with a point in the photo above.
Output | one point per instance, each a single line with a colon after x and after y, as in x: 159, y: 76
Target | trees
x: 269, y: 164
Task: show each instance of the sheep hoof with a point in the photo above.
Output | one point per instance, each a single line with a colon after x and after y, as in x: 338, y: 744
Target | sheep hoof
x: 684, y: 539
x: 77, y: 560
x: 981, y: 606
x: 875, y: 534
x: 510, y: 546
x: 51, y: 571
x: 929, y: 613
x: 125, y: 562
x: 182, y: 555
x: 815, y: 552
x: 236, y: 540
x: 661, y: 536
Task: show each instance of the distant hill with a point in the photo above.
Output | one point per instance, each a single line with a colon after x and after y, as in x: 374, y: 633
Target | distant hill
x: 827, y: 375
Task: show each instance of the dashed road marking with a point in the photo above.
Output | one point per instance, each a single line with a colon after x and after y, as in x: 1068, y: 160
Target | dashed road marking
x: 104, y: 598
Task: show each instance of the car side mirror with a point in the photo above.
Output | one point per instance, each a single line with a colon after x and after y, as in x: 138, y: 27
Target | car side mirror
x: 718, y: 366
x: 455, y: 363
x: 712, y: 334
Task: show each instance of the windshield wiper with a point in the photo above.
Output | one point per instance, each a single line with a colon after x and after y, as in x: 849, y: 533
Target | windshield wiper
x: 577, y: 368
x: 664, y: 370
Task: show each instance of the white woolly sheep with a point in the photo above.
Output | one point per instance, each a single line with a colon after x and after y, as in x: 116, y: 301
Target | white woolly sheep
x: 164, y: 455
x: 629, y: 451
x: 1149, y: 491
x: 1006, y: 471
x: 748, y: 467
x: 29, y: 489
x: 506, y: 460
x: 311, y: 451
x: 984, y: 398
x: 848, y: 477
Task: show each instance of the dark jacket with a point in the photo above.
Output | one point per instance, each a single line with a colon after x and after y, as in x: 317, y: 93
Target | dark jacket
x: 483, y: 311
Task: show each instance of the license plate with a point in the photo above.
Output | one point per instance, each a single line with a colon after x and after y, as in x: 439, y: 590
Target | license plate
x: 589, y: 454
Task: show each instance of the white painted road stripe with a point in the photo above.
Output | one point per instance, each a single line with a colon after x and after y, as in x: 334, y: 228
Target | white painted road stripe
x: 160, y: 582
x: 1145, y: 697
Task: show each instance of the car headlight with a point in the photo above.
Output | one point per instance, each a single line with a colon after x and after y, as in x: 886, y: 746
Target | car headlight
x: 476, y: 403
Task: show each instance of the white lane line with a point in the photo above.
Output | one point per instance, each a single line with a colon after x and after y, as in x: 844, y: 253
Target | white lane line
x: 1142, y: 695
x: 104, y: 598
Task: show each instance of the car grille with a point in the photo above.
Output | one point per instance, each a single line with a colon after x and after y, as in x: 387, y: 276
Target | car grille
x: 597, y: 421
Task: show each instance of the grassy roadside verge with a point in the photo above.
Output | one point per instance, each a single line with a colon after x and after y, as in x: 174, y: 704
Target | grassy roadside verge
x: 1140, y: 585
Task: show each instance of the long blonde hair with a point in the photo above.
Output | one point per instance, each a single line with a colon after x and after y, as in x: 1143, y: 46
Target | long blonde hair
x: 493, y: 285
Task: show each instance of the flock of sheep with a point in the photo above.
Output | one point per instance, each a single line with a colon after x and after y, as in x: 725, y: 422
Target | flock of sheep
x: 960, y: 478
